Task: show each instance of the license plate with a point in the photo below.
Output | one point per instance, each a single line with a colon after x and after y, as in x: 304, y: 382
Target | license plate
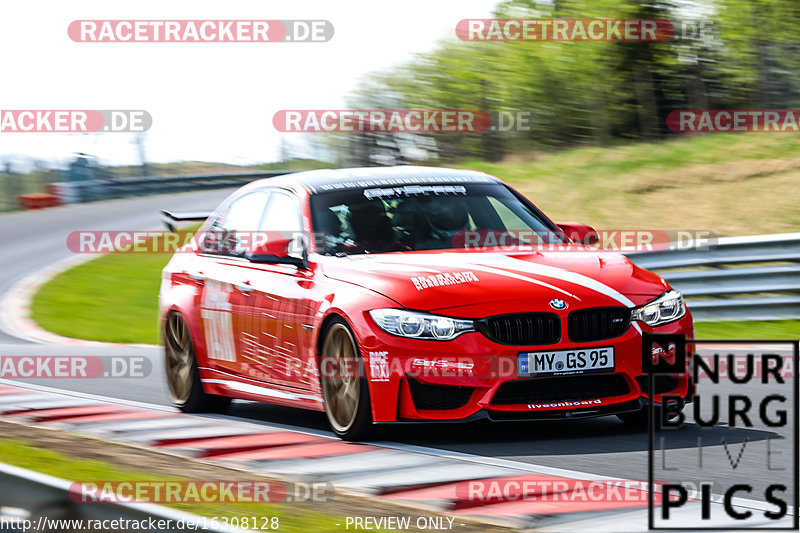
x: 565, y: 361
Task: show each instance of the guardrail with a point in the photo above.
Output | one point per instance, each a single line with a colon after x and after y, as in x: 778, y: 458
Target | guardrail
x: 42, y: 500
x: 735, y: 278
x: 73, y: 192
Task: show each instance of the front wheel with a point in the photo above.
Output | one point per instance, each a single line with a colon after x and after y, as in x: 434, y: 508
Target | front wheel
x: 183, y: 377
x: 344, y: 387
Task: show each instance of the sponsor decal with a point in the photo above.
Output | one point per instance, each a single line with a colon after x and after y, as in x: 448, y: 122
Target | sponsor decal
x: 579, y: 403
x: 379, y: 366
x: 215, y: 311
x: 443, y: 280
x: 399, y: 181
x: 415, y: 190
x: 443, y: 365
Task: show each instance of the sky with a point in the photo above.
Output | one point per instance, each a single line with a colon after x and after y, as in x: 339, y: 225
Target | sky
x: 209, y: 101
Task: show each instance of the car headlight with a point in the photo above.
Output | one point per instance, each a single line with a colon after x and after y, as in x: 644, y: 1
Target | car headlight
x: 666, y: 308
x: 420, y: 325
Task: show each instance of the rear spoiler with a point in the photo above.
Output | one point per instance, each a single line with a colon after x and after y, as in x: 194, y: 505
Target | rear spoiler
x: 170, y: 218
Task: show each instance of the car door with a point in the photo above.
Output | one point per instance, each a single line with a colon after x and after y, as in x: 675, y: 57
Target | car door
x: 225, y: 301
x: 277, y: 335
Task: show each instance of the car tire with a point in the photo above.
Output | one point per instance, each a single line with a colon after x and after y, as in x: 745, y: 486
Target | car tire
x: 345, y: 393
x: 183, y: 377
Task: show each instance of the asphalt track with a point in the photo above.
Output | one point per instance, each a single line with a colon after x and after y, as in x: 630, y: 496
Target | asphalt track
x: 601, y: 446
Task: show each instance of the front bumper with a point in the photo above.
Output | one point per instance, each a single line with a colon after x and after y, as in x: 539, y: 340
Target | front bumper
x: 472, y: 377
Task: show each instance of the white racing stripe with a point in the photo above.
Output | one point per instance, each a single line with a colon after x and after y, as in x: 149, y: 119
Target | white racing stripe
x: 489, y: 262
x: 262, y: 391
x: 512, y: 263
x: 457, y: 261
x: 570, y: 277
x: 490, y: 270
x: 548, y: 271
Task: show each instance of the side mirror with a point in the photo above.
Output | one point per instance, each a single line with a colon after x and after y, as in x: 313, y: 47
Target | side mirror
x: 580, y: 233
x: 276, y: 251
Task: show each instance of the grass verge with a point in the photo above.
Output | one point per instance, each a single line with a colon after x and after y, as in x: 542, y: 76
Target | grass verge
x: 113, y: 298
x: 18, y: 453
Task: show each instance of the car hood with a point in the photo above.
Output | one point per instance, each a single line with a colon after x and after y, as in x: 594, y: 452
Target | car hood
x: 457, y: 280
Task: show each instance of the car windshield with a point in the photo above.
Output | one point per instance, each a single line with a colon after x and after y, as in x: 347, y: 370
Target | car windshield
x: 425, y: 217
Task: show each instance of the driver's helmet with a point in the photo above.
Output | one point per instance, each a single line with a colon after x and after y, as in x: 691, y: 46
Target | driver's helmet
x: 447, y: 214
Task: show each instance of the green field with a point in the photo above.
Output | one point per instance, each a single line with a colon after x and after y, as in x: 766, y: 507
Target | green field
x: 56, y: 464
x: 113, y: 298
x: 730, y: 184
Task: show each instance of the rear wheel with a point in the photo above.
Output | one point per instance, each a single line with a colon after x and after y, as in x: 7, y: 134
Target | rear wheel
x: 183, y: 376
x: 344, y: 386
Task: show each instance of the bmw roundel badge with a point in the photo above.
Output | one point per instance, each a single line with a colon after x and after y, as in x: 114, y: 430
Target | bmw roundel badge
x: 555, y: 303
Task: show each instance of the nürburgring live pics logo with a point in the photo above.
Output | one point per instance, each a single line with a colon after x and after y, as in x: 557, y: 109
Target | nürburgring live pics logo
x: 761, y: 485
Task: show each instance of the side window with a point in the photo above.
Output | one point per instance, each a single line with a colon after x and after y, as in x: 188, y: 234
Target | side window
x: 282, y: 219
x: 232, y: 233
x: 283, y: 214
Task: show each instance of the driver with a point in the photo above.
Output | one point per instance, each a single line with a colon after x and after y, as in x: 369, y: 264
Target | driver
x: 446, y: 216
x: 373, y: 230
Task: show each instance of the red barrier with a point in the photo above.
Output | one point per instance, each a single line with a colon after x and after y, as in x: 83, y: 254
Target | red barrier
x: 38, y: 200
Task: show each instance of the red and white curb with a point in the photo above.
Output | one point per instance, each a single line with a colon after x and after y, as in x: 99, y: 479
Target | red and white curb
x: 532, y: 496
x: 16, y: 302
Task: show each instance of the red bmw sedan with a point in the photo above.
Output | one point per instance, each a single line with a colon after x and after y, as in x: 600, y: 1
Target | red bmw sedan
x: 380, y: 295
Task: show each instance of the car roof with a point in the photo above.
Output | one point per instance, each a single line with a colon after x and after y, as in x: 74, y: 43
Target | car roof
x: 318, y: 181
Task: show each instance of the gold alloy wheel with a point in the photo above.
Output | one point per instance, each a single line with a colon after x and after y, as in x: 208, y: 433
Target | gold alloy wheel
x: 179, y: 359
x: 341, y: 384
